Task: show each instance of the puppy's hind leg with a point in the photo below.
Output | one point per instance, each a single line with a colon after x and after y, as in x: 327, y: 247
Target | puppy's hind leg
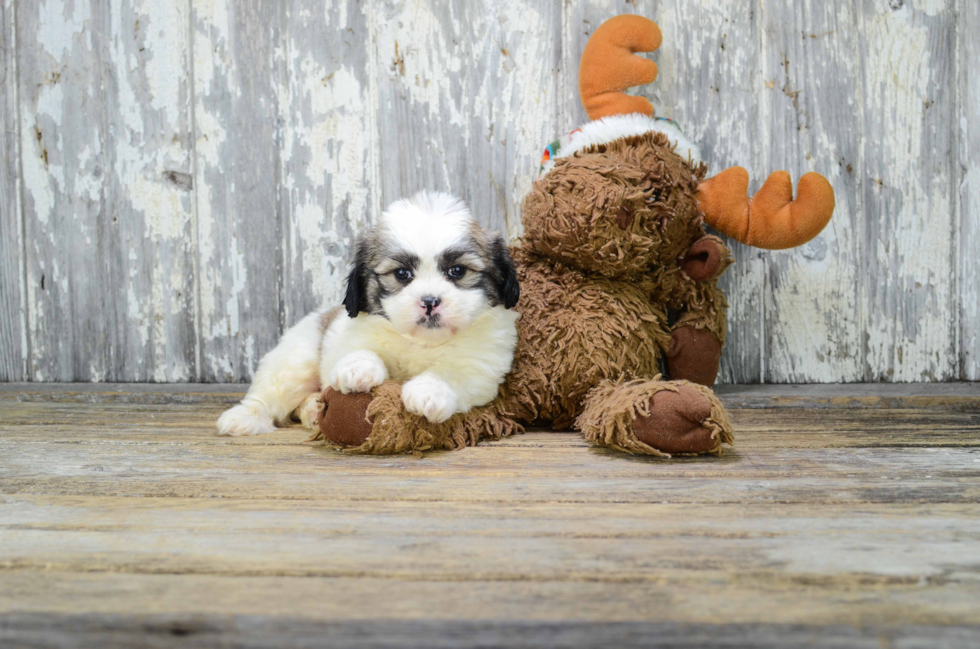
x: 285, y: 377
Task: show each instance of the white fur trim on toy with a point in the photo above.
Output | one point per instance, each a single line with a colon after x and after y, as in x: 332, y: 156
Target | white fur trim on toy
x: 614, y: 127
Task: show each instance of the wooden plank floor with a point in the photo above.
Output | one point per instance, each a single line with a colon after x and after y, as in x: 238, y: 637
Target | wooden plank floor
x: 844, y: 516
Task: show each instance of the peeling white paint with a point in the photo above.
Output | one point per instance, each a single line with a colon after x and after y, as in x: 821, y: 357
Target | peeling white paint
x: 911, y: 342
x: 813, y: 317
x: 430, y: 58
x: 60, y: 23
x: 336, y: 141
x: 467, y: 103
x: 220, y: 258
x: 931, y: 7
x: 968, y: 206
x: 42, y: 179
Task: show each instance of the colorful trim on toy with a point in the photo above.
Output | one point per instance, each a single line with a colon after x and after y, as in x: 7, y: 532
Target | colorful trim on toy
x: 612, y: 128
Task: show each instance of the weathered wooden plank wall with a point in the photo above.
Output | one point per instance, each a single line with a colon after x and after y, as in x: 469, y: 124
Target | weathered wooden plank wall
x: 967, y: 163
x: 180, y: 181
x: 13, y: 339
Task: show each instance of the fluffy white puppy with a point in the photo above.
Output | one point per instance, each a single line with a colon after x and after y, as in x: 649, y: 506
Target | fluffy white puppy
x: 427, y: 303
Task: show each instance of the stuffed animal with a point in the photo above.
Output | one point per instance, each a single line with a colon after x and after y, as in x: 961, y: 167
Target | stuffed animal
x: 618, y: 281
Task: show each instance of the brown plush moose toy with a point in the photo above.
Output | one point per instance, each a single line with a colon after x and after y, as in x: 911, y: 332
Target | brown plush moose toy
x: 617, y: 276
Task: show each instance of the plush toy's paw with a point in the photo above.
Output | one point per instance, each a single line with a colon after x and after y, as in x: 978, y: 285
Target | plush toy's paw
x: 676, y: 423
x: 342, y: 418
x: 693, y: 355
x: 429, y: 397
x: 655, y: 417
x: 378, y: 423
x: 243, y: 420
x: 357, y: 372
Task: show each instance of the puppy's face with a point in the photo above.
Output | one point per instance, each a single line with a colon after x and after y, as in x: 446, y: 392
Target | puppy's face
x: 429, y: 269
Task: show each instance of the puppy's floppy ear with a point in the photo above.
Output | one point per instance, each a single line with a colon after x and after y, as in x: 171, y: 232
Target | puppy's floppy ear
x: 356, y: 298
x: 502, y: 272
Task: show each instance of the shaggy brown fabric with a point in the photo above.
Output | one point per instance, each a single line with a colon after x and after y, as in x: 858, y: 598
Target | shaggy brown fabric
x: 377, y: 423
x: 693, y: 355
x: 638, y: 417
x: 594, y: 295
x: 575, y: 214
x: 576, y: 330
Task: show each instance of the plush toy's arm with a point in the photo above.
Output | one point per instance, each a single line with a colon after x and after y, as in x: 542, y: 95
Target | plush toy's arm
x: 698, y: 332
x: 697, y: 337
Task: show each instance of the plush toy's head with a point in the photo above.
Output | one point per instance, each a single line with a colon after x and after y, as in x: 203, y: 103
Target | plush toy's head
x: 617, y: 208
x: 627, y: 192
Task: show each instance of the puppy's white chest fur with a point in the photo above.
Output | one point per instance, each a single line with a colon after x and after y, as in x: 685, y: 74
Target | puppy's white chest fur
x: 484, y: 349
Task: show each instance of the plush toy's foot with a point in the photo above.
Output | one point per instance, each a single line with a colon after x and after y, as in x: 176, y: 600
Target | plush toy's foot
x: 693, y: 355
x: 377, y: 423
x: 343, y: 418
x: 655, y: 417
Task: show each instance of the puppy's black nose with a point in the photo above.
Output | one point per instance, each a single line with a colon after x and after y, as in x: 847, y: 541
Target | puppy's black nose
x: 430, y: 302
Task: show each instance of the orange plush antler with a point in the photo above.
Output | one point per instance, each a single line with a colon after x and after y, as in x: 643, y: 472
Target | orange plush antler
x: 609, y: 67
x: 771, y: 219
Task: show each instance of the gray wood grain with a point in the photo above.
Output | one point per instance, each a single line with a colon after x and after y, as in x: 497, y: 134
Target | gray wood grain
x: 468, y: 98
x: 160, y: 630
x: 329, y: 147
x: 180, y: 181
x: 811, y: 110
x: 125, y: 519
x: 236, y: 179
x: 908, y: 113
x: 710, y: 81
x: 148, y: 229
x: 968, y: 206
x: 61, y: 62
x: 110, y: 273
x: 13, y: 339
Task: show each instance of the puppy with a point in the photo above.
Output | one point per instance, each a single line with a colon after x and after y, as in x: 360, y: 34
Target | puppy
x: 427, y: 303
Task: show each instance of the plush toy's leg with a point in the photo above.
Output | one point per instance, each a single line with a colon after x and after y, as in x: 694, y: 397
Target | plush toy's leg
x: 698, y: 333
x: 655, y: 417
x: 377, y: 423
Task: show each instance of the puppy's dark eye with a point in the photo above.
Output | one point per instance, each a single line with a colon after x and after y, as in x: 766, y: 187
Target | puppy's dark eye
x: 456, y: 272
x: 403, y: 275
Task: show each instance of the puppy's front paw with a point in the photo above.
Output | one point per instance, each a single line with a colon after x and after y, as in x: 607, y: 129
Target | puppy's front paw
x: 429, y: 397
x: 244, y: 420
x: 357, y: 372
x: 309, y: 411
